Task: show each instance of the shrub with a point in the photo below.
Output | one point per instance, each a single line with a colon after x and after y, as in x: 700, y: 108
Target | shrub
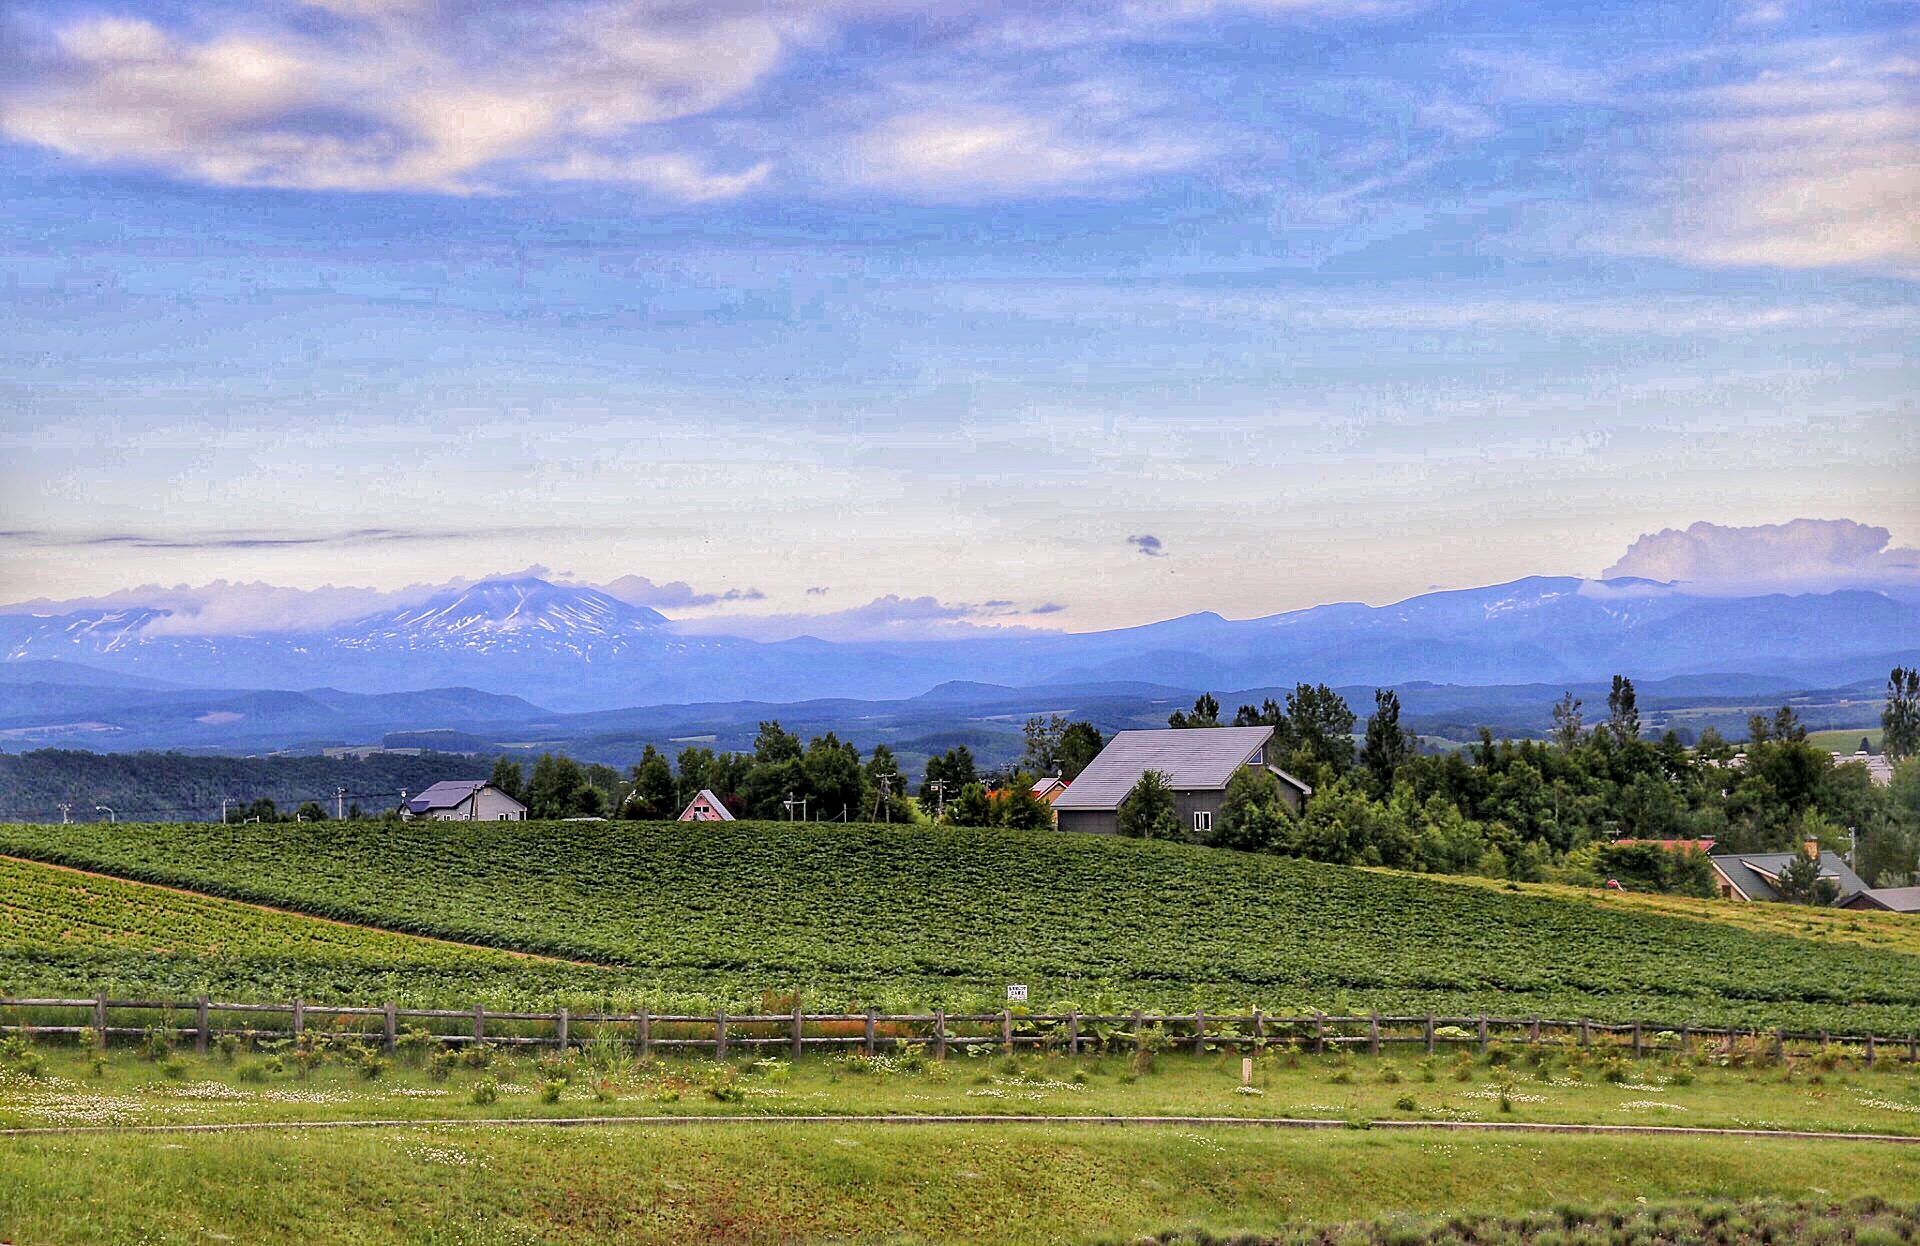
x: 440, y: 1065
x: 551, y: 1088
x: 174, y: 1068
x: 371, y: 1066
x: 252, y: 1071
x: 1406, y: 1103
x: 230, y: 1046
x: 1390, y: 1073
x: 486, y: 1091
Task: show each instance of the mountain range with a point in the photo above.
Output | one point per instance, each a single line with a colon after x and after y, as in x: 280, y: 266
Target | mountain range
x: 514, y: 658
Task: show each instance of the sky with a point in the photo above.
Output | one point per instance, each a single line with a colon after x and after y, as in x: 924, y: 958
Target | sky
x: 1056, y: 314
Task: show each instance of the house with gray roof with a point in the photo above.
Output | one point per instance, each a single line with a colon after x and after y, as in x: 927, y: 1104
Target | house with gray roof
x: 464, y: 800
x: 1885, y: 900
x: 1198, y: 762
x: 1752, y: 875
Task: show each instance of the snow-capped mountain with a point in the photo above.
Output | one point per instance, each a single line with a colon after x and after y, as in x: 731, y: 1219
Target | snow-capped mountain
x: 568, y: 646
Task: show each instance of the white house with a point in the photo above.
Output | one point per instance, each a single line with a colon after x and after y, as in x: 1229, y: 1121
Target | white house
x: 464, y: 800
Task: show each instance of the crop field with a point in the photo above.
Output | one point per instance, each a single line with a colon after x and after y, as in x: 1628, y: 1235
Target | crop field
x: 61, y: 932
x: 900, y: 918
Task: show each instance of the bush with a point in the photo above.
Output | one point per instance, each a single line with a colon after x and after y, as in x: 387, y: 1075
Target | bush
x: 252, y: 1071
x: 486, y: 1091
x: 1390, y: 1073
x: 230, y: 1046
x: 371, y: 1066
x: 1405, y: 1103
x: 550, y: 1090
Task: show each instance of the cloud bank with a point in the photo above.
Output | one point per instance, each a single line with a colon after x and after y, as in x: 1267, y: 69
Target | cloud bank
x: 891, y: 617
x: 1804, y: 555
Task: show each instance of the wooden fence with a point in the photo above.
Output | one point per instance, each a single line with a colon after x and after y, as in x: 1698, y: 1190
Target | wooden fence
x: 102, y: 1018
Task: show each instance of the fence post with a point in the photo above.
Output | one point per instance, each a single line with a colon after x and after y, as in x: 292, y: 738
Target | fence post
x: 1779, y: 1044
x: 1636, y: 1040
x: 1686, y: 1039
x: 720, y: 1035
x: 940, y: 1034
x: 645, y: 1025
x: 1869, y: 1049
x: 1073, y: 1032
x: 100, y: 1022
x: 1259, y: 1029
x: 299, y: 1017
x: 479, y: 1022
x: 1139, y: 1030
x: 1586, y: 1035
x: 799, y: 1030
x: 561, y: 1037
x: 1199, y: 1031
x: 1006, y: 1028
x: 1373, y: 1033
x: 1913, y: 1048
x: 390, y: 1024
x: 867, y: 1034
x: 1533, y: 1032
x: 200, y: 1026
x: 1429, y: 1033
x: 1483, y: 1031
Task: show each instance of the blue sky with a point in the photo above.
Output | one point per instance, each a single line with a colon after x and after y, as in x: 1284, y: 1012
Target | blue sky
x: 829, y: 303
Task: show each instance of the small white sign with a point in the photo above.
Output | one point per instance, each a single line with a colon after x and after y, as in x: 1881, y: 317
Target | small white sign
x: 1016, y: 994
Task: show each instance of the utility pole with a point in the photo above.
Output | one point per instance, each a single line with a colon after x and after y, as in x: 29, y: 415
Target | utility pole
x: 66, y: 814
x: 939, y: 787
x: 106, y: 809
x: 790, y: 802
x: 340, y: 804
x: 884, y: 798
x: 224, y: 802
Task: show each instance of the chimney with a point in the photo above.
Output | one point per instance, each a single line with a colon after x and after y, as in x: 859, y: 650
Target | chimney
x: 1812, y: 847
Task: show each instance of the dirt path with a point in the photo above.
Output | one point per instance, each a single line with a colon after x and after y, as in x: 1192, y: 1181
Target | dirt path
x: 312, y: 917
x: 1185, y: 1122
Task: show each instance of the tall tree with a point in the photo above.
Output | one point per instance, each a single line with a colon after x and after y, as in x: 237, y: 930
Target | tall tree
x: 1043, y: 735
x: 832, y: 769
x: 1015, y: 805
x: 1148, y: 812
x: 1623, y: 711
x: 951, y: 770
x: 886, y: 789
x: 509, y: 778
x: 1205, y: 713
x: 1800, y: 881
x: 654, y: 795
x: 1321, y: 723
x: 1080, y: 743
x: 1387, y: 747
x: 1566, y: 722
x: 559, y: 789
x: 1900, y: 720
x: 970, y: 806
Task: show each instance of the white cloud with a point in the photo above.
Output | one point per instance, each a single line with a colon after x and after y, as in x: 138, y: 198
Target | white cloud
x: 1805, y: 554
x: 993, y: 152
x: 400, y: 97
x: 678, y: 176
x: 638, y: 590
x: 891, y: 617
x: 1809, y: 163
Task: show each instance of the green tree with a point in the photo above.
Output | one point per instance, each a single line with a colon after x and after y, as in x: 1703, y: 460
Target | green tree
x: 886, y: 788
x: 655, y: 797
x: 1386, y: 747
x: 1254, y: 817
x: 1320, y: 723
x: 1043, y: 735
x: 1900, y: 720
x: 1015, y: 805
x: 559, y: 789
x: 833, y: 778
x: 1148, y: 812
x: 953, y: 770
x: 1623, y: 711
x: 1800, y: 882
x: 1566, y: 723
x: 310, y: 811
x: 1205, y: 713
x: 970, y: 807
x: 509, y: 778
x: 1080, y: 743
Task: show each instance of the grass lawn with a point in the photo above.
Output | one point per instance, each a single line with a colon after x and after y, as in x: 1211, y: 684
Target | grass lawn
x: 1808, y: 1092
x: 776, y: 1182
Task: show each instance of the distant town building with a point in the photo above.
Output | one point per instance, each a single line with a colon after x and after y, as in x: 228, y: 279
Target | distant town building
x: 705, y: 807
x: 464, y: 800
x: 1198, y: 764
x: 1879, y: 769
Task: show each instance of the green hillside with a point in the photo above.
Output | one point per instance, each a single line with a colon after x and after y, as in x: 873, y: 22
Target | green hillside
x: 909, y: 917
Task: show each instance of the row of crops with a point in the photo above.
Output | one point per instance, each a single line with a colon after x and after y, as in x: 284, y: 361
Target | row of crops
x: 900, y: 918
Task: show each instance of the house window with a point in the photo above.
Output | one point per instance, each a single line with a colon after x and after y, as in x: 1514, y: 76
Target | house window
x: 1259, y: 757
x: 1203, y: 820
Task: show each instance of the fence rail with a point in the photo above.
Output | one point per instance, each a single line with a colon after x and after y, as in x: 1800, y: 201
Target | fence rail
x: 206, y: 1020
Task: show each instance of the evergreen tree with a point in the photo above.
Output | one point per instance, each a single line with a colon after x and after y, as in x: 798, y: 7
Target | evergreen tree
x: 1623, y: 711
x: 970, y: 807
x: 1205, y: 713
x: 1800, y: 882
x: 1387, y: 747
x: 1566, y: 722
x: 1080, y: 743
x: 509, y: 778
x: 1015, y: 805
x: 1149, y: 812
x: 655, y: 797
x: 1900, y: 720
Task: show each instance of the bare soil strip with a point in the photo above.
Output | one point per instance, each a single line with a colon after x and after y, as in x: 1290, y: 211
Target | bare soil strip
x: 1189, y: 1122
